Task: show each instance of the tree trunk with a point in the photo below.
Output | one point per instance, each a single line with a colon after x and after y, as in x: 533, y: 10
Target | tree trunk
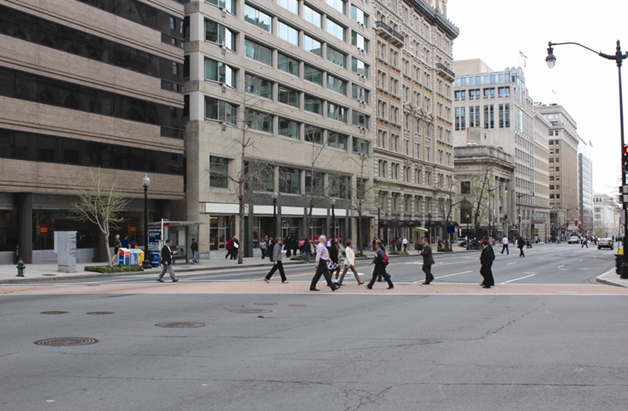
x: 109, y: 257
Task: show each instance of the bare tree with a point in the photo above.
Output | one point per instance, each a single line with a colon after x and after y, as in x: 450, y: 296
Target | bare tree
x: 99, y: 202
x: 450, y: 201
x: 481, y: 186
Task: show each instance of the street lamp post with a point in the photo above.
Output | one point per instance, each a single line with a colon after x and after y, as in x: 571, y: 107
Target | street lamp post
x: 379, y: 231
x: 275, y: 195
x: 145, y: 184
x: 333, y: 219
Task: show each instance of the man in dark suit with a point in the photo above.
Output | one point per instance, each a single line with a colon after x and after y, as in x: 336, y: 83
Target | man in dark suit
x: 166, y: 258
x: 428, y: 261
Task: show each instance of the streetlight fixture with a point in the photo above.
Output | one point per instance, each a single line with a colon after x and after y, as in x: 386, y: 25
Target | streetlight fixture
x: 145, y: 184
x: 333, y: 219
x: 618, y: 57
x: 275, y: 195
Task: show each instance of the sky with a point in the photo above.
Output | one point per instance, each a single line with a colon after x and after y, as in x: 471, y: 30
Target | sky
x: 585, y: 84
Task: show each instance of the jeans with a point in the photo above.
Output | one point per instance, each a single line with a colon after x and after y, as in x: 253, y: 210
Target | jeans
x: 195, y: 258
x: 306, y: 255
x: 380, y: 271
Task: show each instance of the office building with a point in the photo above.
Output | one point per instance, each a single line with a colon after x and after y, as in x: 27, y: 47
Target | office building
x: 540, y: 223
x: 606, y: 216
x: 87, y: 83
x: 585, y: 192
x: 280, y: 111
x: 414, y: 146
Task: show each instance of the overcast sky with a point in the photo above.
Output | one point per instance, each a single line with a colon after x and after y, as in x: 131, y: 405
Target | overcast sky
x: 586, y: 84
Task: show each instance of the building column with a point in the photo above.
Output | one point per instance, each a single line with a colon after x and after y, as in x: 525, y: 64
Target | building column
x: 25, y: 226
x: 388, y: 204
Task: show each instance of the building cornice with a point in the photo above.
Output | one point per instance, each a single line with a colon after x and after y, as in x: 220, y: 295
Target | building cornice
x: 435, y: 17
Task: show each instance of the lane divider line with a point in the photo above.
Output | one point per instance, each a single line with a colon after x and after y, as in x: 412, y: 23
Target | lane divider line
x: 517, y: 279
x: 451, y: 275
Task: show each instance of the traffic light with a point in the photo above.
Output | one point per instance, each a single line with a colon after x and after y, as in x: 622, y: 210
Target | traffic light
x: 519, y: 216
x: 624, y: 159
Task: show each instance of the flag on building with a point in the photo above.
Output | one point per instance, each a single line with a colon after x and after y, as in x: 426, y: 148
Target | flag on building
x: 591, y: 144
x: 553, y: 92
x: 525, y: 59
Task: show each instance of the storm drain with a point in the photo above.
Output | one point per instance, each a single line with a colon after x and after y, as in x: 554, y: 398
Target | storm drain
x: 265, y: 303
x: 100, y: 312
x: 298, y: 305
x: 66, y: 341
x: 250, y: 311
x: 54, y: 312
x: 180, y: 325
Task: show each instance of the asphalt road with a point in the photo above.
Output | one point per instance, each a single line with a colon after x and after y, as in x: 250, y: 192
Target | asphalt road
x: 327, y: 351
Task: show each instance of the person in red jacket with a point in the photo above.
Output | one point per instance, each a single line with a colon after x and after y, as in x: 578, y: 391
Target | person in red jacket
x: 229, y: 244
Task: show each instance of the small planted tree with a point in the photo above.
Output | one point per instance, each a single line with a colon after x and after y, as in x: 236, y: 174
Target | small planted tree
x: 100, y: 202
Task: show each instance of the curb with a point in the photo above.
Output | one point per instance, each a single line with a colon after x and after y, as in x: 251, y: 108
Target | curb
x: 599, y: 279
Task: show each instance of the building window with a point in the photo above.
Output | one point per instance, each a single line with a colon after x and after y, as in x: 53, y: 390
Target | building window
x: 218, y: 172
x: 313, y: 104
x: 290, y: 5
x: 474, y: 116
x: 465, y: 187
x: 489, y: 93
x: 360, y: 146
x: 336, y: 84
x: 258, y: 18
x: 314, y: 185
x: 339, y: 5
x: 287, y: 64
x: 313, y: 134
x: 259, y: 86
x: 219, y: 34
x: 460, y: 95
x: 288, y: 96
x: 312, y: 74
x: 229, y: 5
x: 258, y: 52
x: 289, y: 180
x: 312, y: 16
x: 460, y: 121
x: 336, y: 30
x: 220, y: 110
x: 474, y: 94
x: 503, y: 92
x: 336, y: 57
x: 359, y: 41
x: 220, y: 72
x: 336, y: 112
x: 359, y: 67
x: 337, y: 140
x: 504, y: 116
x: 256, y: 120
x: 289, y: 128
x: 489, y: 116
x: 360, y: 119
x: 359, y: 16
x: 359, y: 93
x: 287, y: 33
x: 312, y: 45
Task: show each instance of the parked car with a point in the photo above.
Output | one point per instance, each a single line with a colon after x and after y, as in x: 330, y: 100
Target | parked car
x: 605, y: 243
x: 573, y: 240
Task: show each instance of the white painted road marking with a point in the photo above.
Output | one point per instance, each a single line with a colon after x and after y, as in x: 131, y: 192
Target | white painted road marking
x: 561, y: 266
x: 512, y: 263
x: 451, y: 275
x: 517, y: 279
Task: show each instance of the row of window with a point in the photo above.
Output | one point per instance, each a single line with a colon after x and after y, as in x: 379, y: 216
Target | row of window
x: 480, y: 79
x: 49, y: 34
x: 460, y: 117
x: 29, y: 146
x: 45, y: 90
x: 474, y: 94
x: 257, y: 120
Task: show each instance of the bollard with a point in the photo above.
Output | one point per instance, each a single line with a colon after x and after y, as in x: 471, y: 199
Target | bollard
x: 20, y: 268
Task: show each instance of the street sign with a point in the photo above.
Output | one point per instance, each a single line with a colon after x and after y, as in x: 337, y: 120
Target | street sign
x: 451, y: 229
x: 623, y: 189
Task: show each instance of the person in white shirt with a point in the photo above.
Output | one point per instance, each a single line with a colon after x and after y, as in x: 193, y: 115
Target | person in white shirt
x: 405, y: 244
x: 349, y: 263
x: 505, y: 245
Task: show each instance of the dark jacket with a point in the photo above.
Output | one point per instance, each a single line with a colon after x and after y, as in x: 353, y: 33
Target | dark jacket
x: 520, y: 242
x: 379, y: 259
x: 194, y: 246
x: 427, y: 255
x: 166, y: 256
x: 487, y: 257
x: 333, y: 253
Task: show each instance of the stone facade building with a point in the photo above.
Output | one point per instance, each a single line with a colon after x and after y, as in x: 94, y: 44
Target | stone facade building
x: 87, y: 83
x: 413, y: 83
x: 606, y: 215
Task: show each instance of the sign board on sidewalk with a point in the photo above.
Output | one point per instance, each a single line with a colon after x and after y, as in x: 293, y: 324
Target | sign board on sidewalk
x: 43, y: 229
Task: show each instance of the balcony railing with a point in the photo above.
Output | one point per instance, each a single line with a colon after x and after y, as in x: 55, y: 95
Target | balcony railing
x: 390, y: 30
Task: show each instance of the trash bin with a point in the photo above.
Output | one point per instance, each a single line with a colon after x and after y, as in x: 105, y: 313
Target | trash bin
x: 619, y: 260
x: 154, y: 258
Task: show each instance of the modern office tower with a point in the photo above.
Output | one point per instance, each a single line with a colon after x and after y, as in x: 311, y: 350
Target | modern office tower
x: 563, y: 168
x: 540, y: 224
x: 414, y: 146
x: 494, y: 108
x: 86, y: 83
x: 585, y: 192
x: 280, y: 118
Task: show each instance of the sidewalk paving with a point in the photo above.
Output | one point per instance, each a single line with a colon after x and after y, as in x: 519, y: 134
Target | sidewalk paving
x: 48, y: 272
x: 611, y: 278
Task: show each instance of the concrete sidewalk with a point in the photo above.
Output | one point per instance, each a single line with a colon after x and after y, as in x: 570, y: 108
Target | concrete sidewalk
x: 611, y: 278
x: 48, y: 272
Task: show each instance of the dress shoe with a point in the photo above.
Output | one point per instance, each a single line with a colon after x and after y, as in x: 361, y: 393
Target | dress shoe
x: 161, y: 281
x: 425, y: 283
x: 390, y: 288
x: 314, y: 289
x: 486, y: 286
x: 370, y: 288
x: 284, y: 282
x: 174, y: 281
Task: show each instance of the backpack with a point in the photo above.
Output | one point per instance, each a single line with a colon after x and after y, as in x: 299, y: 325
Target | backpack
x: 385, y: 260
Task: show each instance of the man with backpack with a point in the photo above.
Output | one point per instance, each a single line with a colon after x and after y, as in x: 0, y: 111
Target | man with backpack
x: 428, y: 261
x: 380, y: 261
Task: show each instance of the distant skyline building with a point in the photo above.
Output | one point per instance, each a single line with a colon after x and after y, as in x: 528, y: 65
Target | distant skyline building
x: 585, y: 192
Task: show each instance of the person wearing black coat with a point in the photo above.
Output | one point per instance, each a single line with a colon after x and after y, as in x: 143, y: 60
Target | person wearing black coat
x: 486, y: 260
x: 520, y: 244
x: 166, y: 259
x: 428, y: 261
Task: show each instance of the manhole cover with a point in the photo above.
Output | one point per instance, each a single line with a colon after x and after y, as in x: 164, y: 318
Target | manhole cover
x: 250, y: 311
x: 298, y: 305
x: 50, y: 275
x: 180, y: 325
x: 66, y: 341
x: 54, y: 312
x: 99, y: 312
x: 265, y: 303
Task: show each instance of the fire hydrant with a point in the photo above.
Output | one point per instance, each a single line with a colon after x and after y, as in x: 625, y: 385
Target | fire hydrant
x: 20, y: 268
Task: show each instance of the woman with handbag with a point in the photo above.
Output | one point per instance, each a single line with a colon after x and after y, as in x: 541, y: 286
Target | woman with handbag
x: 349, y: 264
